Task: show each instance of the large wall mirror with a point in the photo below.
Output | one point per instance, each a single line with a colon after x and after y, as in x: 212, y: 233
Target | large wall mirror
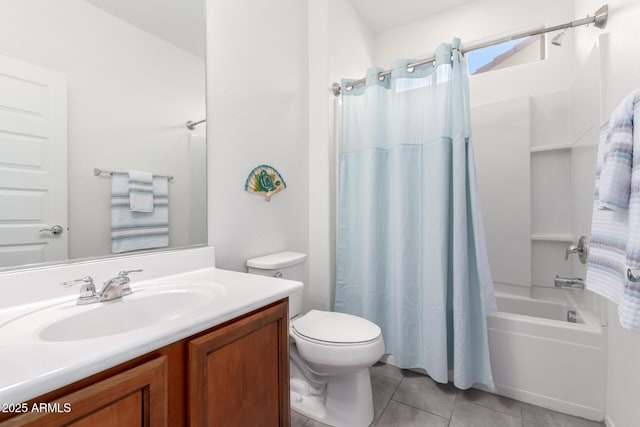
x: 108, y: 85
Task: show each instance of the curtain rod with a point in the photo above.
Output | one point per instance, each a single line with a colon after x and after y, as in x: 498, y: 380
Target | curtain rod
x: 599, y: 20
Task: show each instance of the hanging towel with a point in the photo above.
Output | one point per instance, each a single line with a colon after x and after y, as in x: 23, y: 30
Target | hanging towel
x: 616, y: 222
x: 607, y: 247
x: 132, y: 231
x: 140, y: 191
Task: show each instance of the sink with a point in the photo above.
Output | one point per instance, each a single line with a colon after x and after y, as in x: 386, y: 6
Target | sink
x: 145, y: 307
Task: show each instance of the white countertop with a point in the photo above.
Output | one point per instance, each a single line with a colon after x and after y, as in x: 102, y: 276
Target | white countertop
x: 30, y: 367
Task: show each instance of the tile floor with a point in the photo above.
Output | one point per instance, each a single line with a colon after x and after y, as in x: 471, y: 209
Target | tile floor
x: 406, y: 399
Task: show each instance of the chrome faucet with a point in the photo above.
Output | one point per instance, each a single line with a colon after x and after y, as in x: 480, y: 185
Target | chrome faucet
x: 117, y: 287
x: 568, y: 282
x: 114, y: 288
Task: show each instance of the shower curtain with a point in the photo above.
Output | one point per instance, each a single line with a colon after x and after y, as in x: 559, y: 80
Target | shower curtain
x: 411, y: 254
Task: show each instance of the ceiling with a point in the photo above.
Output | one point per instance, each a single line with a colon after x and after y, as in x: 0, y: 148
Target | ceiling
x: 180, y: 22
x: 382, y: 15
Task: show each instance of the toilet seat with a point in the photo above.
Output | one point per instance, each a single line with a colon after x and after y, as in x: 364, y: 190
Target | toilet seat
x: 331, y: 328
x: 334, y: 343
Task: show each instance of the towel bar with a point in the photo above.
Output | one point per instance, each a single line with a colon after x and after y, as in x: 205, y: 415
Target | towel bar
x: 97, y: 172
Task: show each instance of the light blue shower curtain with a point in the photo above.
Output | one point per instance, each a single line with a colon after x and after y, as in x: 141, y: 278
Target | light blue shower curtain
x: 411, y: 255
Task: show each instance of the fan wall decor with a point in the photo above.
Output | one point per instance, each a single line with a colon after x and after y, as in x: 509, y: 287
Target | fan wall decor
x: 265, y: 180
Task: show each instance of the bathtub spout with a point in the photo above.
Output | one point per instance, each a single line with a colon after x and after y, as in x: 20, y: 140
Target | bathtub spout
x: 568, y: 282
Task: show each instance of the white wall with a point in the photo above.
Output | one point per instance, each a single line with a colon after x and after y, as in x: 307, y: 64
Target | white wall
x: 351, y: 42
x: 129, y: 95
x: 620, y: 69
x: 257, y: 114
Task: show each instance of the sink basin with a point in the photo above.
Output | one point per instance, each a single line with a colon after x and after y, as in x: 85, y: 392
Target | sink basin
x: 145, y: 307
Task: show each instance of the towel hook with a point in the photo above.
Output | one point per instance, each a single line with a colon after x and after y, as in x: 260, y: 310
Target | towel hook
x: 632, y: 277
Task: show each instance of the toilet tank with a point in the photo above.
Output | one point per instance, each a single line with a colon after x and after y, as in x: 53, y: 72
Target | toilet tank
x: 285, y: 265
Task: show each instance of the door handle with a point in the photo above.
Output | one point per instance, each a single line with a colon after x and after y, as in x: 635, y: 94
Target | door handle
x: 55, y: 230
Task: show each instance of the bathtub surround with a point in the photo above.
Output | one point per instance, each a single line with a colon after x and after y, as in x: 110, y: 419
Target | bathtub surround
x: 411, y: 250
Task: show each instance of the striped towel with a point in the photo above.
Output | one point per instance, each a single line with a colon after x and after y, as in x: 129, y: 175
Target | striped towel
x: 608, y: 240
x: 140, y: 191
x: 616, y: 220
x: 132, y: 231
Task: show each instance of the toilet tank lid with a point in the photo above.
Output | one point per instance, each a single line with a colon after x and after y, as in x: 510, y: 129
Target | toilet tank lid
x: 275, y: 261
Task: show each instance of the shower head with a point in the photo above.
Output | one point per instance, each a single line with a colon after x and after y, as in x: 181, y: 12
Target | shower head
x: 557, y: 40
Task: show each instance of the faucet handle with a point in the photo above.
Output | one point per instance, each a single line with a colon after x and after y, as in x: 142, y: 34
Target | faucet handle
x: 572, y: 249
x: 581, y: 248
x: 85, y: 280
x: 125, y: 273
x: 87, y: 291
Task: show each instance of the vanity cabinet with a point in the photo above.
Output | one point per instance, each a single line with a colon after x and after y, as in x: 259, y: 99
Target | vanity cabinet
x: 237, y: 375
x: 234, y: 374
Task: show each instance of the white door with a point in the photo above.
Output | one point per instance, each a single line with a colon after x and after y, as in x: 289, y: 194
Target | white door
x: 33, y: 163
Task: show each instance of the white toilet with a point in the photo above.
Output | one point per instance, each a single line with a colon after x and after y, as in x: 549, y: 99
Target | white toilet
x: 330, y: 353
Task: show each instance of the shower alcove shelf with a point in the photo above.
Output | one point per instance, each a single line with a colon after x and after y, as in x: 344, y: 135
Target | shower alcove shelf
x: 550, y: 212
x: 561, y: 153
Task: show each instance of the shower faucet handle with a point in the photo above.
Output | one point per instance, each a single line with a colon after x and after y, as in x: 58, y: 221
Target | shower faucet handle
x: 572, y: 249
x: 582, y: 249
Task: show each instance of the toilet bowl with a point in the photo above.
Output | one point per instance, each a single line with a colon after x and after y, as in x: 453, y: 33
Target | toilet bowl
x: 330, y: 353
x: 333, y: 352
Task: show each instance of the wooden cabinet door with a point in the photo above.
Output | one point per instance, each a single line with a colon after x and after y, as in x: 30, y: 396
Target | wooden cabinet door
x: 238, y: 375
x: 136, y: 397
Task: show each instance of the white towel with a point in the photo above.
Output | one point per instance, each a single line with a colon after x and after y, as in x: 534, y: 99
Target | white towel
x: 132, y: 231
x: 140, y: 191
x: 616, y: 222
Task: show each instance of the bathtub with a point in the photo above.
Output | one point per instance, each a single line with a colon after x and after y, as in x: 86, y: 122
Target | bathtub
x: 538, y: 357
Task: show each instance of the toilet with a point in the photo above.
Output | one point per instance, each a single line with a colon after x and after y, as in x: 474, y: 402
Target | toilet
x: 330, y: 353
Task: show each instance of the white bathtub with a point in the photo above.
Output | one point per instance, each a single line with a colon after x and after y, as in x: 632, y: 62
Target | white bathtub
x: 540, y: 358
